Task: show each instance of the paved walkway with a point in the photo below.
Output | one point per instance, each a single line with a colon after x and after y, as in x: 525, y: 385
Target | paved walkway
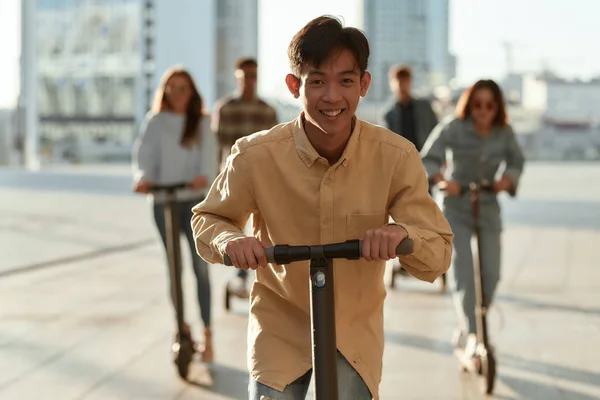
x: 85, y: 315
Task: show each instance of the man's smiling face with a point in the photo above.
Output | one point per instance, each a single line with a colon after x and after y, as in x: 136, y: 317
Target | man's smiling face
x: 330, y: 93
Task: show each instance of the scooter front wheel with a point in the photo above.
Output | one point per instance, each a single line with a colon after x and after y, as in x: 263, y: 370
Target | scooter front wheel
x: 488, y: 371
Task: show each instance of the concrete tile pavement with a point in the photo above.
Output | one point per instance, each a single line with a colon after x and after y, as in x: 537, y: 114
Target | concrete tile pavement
x: 100, y: 327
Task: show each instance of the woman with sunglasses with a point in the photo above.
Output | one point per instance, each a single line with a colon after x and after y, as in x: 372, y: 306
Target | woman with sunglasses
x: 176, y: 145
x: 480, y: 140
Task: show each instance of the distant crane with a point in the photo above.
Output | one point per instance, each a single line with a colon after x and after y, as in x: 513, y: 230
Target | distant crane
x: 508, y: 52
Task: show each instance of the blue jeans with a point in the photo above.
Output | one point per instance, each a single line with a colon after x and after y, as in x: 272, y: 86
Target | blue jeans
x: 350, y: 386
x: 463, y: 277
x: 200, y: 266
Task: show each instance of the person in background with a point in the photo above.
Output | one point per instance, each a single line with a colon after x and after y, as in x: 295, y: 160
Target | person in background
x: 480, y: 139
x: 175, y: 145
x: 237, y: 116
x: 409, y: 117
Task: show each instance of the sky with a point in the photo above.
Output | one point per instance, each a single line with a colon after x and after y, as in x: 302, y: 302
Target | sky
x: 10, y: 48
x: 560, y: 34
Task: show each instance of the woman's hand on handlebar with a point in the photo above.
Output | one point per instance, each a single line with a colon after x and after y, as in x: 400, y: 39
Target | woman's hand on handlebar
x: 451, y: 188
x: 381, y: 243
x: 437, y: 178
x: 503, y: 184
x: 246, y: 253
x: 199, y: 182
x: 142, y: 187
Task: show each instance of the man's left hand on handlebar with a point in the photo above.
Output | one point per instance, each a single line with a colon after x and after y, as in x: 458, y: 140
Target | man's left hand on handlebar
x: 381, y: 243
x: 246, y: 253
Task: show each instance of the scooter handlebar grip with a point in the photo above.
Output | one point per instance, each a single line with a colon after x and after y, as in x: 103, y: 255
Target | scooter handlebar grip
x: 405, y: 247
x: 227, y: 260
x: 269, y: 252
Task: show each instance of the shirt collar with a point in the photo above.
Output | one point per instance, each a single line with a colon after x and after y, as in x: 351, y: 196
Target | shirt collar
x: 237, y: 96
x: 307, y: 152
x: 409, y: 103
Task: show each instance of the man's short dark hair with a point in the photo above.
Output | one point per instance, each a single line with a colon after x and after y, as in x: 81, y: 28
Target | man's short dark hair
x: 314, y: 43
x: 246, y: 62
x: 400, y: 71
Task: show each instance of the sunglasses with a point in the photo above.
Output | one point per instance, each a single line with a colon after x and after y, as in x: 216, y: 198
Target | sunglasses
x: 488, y: 105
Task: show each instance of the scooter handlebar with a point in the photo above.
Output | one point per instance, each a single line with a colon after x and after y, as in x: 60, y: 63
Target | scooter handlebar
x: 483, y: 186
x: 172, y: 187
x: 350, y: 249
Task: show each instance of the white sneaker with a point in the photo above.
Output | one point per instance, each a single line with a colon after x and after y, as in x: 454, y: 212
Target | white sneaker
x: 471, y: 345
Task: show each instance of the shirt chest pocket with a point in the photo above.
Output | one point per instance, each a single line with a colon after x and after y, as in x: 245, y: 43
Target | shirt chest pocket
x: 358, y: 224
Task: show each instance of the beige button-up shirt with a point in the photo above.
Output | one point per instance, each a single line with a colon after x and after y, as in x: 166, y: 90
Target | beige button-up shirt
x: 296, y: 197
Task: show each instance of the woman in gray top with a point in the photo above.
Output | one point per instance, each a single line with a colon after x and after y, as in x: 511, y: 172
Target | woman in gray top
x: 479, y: 139
x: 176, y: 145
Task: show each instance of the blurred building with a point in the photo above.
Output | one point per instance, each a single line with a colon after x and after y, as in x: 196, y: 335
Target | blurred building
x: 560, y: 119
x: 88, y: 63
x: 7, y: 138
x: 237, y: 36
x: 573, y: 102
x: 98, y: 63
x: 412, y: 32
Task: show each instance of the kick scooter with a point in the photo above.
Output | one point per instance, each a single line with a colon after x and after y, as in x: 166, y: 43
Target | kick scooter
x: 228, y: 295
x: 484, y: 362
x: 184, y: 347
x: 322, y: 313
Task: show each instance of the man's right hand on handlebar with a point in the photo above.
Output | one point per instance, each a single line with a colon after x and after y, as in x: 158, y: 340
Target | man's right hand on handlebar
x: 246, y: 253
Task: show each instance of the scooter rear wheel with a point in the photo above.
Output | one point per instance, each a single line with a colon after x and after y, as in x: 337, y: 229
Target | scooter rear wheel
x: 488, y: 371
x: 183, y: 351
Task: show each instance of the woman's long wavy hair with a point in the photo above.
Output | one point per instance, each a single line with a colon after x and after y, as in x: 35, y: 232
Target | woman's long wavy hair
x: 463, y: 106
x: 195, y: 110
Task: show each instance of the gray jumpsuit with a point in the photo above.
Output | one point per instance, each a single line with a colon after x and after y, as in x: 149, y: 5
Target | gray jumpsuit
x: 471, y: 157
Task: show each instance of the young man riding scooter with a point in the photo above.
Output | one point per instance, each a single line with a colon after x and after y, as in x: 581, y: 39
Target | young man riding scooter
x: 324, y: 177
